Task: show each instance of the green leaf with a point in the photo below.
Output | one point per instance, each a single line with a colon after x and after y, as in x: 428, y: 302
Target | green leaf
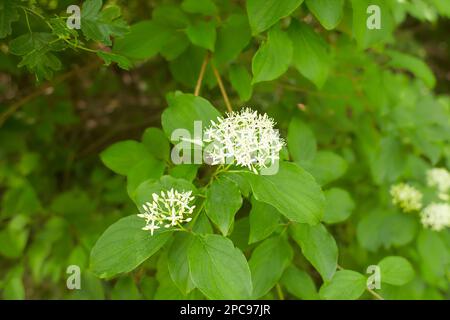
x: 157, y: 143
x: 311, y: 55
x: 122, y: 156
x: 299, y: 283
x: 364, y: 36
x: 109, y: 57
x: 273, y: 57
x: 146, y: 169
x: 183, y: 110
x: 101, y: 25
x: 13, y: 287
x: 218, y: 269
x: 389, y: 162
x: 326, y: 167
x: 203, y: 34
x: 36, y: 51
x: 414, y: 65
x: 345, y: 285
x: 318, y: 246
x: 301, y: 141
x: 8, y: 15
x: 328, y: 12
x: 264, y: 14
x: 396, y: 271
x: 434, y: 256
x: 13, y: 238
x: 145, y: 39
x: 241, y: 81
x: 232, y: 37
x: 223, y: 200
x: 338, y: 205
x: 185, y: 171
x: 292, y: 191
x: 267, y: 264
x: 125, y: 289
x: 178, y: 263
x: 205, y: 7
x: 380, y: 228
x: 264, y: 219
x: 124, y: 246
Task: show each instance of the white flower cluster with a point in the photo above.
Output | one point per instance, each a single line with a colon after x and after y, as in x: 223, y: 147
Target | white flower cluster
x: 246, y: 138
x: 406, y: 197
x: 439, y: 178
x: 436, y: 216
x: 168, y: 209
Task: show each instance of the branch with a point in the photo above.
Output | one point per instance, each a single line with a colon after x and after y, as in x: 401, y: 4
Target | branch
x: 222, y: 88
x: 39, y: 91
x: 200, y: 76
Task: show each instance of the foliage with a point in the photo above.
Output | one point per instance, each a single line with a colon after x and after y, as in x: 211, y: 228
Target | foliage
x: 359, y: 110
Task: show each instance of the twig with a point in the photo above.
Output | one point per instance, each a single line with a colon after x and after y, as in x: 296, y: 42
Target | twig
x: 201, y: 74
x: 280, y: 292
x: 222, y: 88
x: 376, y: 295
x: 39, y: 91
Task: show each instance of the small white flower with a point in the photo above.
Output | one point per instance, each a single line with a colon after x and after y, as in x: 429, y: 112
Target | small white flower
x: 439, y: 178
x: 168, y: 209
x: 245, y: 138
x: 436, y: 216
x: 406, y: 197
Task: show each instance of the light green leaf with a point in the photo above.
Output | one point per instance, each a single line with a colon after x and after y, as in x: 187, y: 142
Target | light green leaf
x: 146, y: 169
x: 241, y: 81
x: 267, y: 264
x: 177, y: 262
x: 338, y: 205
x: 124, y: 246
x: 145, y: 39
x: 13, y: 238
x: 232, y: 37
x: 326, y: 167
x: 101, y: 25
x: 292, y: 191
x: 264, y: 14
x: 299, y: 283
x: 223, y: 200
x: 328, y: 12
x: 122, y: 156
x: 345, y: 285
x: 218, y: 269
x: 318, y: 246
x: 264, y: 219
x: 311, y: 54
x: 109, y: 57
x: 125, y: 289
x: 203, y: 34
x: 13, y: 286
x: 396, y: 271
x: 364, y: 36
x: 183, y: 110
x: 157, y: 143
x: 410, y: 63
x: 301, y: 141
x: 273, y: 57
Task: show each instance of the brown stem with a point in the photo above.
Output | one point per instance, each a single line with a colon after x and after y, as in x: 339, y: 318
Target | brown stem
x: 222, y: 88
x: 201, y: 75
